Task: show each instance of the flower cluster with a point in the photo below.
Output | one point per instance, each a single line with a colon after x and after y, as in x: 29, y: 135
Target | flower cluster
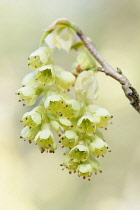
x: 76, y: 120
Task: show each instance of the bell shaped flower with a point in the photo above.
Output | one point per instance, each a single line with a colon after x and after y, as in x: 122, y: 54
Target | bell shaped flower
x: 29, y: 133
x: 72, y: 108
x: 87, y: 124
x: 88, y: 167
x: 44, y: 137
x: 79, y: 153
x: 97, y: 146
x: 40, y: 57
x: 86, y: 87
x: 51, y: 148
x: 62, y: 37
x: 69, y: 164
x: 30, y: 93
x: 69, y: 139
x: 55, y: 102
x: 64, y: 79
x: 104, y: 115
x: 45, y: 75
x: 85, y: 169
x: 34, y: 117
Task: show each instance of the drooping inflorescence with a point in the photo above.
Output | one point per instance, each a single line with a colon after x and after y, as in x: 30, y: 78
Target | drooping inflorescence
x: 76, y: 119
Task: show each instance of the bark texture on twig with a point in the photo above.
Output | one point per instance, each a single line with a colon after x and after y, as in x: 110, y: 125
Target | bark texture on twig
x: 129, y: 90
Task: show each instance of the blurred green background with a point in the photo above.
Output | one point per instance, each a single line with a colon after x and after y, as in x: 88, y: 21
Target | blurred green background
x: 30, y: 180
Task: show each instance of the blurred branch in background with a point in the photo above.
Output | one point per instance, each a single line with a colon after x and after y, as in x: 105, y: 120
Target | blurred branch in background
x: 129, y: 90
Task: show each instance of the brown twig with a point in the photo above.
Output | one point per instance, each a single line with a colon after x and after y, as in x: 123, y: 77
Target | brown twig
x: 129, y: 90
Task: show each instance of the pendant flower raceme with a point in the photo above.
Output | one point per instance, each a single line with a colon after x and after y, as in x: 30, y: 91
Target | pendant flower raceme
x: 64, y: 103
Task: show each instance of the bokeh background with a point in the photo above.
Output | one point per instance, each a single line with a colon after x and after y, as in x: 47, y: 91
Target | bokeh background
x: 30, y: 180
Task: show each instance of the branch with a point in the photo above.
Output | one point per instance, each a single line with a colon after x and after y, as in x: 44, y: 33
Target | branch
x: 129, y: 90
